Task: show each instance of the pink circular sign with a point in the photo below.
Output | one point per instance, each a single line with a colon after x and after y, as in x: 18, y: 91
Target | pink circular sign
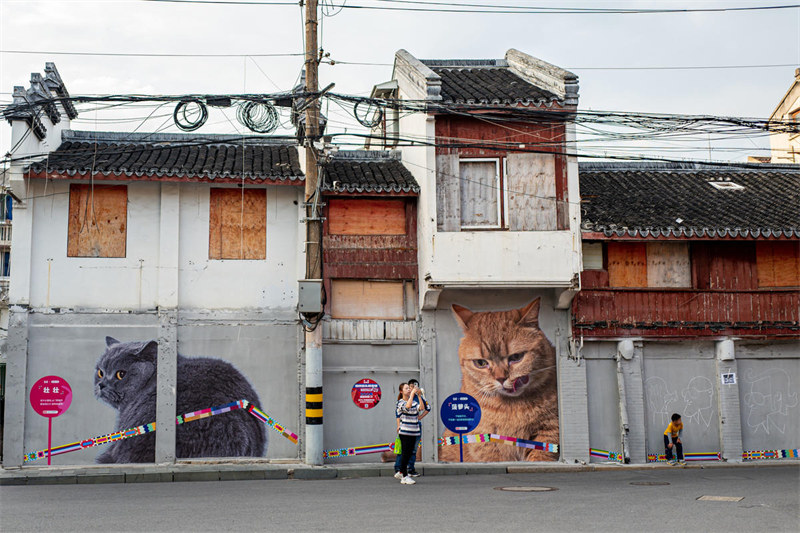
x: 51, y: 396
x: 366, y: 393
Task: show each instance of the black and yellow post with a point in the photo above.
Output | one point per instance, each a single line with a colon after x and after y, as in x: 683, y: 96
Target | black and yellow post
x: 313, y: 405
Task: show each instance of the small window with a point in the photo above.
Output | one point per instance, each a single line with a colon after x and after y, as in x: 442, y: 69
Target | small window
x: 366, y: 217
x: 98, y: 219
x: 363, y: 299
x: 237, y: 226
x: 480, y: 193
x: 593, y: 256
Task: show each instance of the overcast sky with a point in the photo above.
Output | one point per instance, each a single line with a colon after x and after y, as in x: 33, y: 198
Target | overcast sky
x: 574, y: 42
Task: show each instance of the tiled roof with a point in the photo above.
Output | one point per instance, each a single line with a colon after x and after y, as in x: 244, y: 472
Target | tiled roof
x: 171, y: 156
x: 677, y: 200
x: 367, y: 171
x: 486, y: 82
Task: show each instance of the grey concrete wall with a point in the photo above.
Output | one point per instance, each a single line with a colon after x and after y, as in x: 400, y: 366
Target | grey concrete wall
x: 681, y: 378
x: 769, y: 393
x: 346, y: 424
x: 603, y: 397
x: 68, y: 345
x: 554, y: 324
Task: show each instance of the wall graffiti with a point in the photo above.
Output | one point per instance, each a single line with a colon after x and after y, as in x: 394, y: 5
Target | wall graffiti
x: 695, y: 401
x: 768, y: 398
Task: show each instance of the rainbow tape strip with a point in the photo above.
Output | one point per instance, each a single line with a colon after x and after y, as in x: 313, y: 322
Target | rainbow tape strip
x: 611, y: 456
x: 271, y: 422
x: 752, y: 455
x: 151, y: 427
x: 492, y: 437
x: 361, y: 450
x: 691, y: 456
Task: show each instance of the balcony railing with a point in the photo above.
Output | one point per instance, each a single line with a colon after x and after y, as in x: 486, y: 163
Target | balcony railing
x: 682, y: 312
x: 5, y: 233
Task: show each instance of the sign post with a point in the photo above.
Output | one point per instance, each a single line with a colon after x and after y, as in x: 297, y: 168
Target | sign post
x: 50, y: 396
x: 460, y: 413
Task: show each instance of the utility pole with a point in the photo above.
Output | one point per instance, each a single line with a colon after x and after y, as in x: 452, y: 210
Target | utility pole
x: 313, y: 336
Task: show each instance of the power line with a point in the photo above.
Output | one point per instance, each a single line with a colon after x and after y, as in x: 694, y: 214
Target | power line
x: 508, y: 10
x: 138, y: 54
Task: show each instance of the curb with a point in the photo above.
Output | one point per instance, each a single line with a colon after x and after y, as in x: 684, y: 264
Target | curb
x: 265, y: 471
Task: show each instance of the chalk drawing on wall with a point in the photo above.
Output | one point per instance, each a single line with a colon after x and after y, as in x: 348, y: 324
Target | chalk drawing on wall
x: 768, y: 398
x: 659, y: 398
x: 698, y: 396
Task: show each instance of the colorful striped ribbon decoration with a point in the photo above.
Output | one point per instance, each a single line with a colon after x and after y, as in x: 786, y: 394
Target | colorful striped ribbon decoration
x: 361, y: 450
x: 690, y: 456
x: 502, y: 439
x: 151, y: 427
x: 611, y: 456
x: 752, y: 455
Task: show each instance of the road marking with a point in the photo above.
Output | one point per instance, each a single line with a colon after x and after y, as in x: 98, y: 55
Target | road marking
x: 526, y: 489
x: 720, y: 498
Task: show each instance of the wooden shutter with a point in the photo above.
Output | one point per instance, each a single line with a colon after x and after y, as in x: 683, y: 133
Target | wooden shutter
x: 480, y: 194
x: 448, y: 193
x: 360, y: 299
x: 627, y: 264
x: 98, y: 220
x: 778, y: 264
x: 237, y: 224
x: 366, y: 217
x: 668, y: 264
x: 531, y: 185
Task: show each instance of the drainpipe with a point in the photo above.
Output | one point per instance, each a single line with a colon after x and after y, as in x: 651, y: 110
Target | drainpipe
x: 624, y: 351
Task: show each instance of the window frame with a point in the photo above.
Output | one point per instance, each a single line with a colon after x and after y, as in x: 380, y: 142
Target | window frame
x: 502, y: 193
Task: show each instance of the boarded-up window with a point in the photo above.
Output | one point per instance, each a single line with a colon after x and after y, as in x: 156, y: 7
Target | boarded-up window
x: 593, y: 256
x: 480, y: 193
x: 361, y: 299
x: 237, y: 224
x: 668, y: 264
x: 366, y: 217
x: 98, y: 220
x: 531, y: 192
x: 724, y: 265
x: 627, y: 264
x: 778, y: 264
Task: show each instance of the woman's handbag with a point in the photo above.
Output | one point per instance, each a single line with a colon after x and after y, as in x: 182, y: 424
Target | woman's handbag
x: 397, y: 449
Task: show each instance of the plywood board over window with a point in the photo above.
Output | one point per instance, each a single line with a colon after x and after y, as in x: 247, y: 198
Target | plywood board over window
x: 480, y: 193
x: 668, y: 264
x: 237, y: 224
x: 531, y: 192
x: 778, y: 264
x: 366, y: 217
x: 98, y: 220
x: 627, y: 264
x: 362, y: 299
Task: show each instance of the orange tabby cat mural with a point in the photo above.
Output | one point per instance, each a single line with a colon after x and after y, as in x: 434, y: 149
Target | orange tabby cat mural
x: 509, y: 366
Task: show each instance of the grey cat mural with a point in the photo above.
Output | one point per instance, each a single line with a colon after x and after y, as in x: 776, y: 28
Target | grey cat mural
x: 125, y: 379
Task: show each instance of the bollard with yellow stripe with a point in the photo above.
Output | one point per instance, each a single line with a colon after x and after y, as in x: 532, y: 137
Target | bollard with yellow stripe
x: 314, y: 405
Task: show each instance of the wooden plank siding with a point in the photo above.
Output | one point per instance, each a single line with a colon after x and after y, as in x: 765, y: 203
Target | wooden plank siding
x: 531, y: 184
x: 724, y: 265
x: 540, y: 137
x: 369, y: 257
x: 668, y: 264
x: 613, y: 313
x: 98, y: 220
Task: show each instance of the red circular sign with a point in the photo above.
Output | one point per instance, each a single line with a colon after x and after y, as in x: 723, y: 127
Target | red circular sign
x: 51, y: 396
x: 366, y: 393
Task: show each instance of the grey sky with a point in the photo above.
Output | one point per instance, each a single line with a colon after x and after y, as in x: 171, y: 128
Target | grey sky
x: 569, y: 41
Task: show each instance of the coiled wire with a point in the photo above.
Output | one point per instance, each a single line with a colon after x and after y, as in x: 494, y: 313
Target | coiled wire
x: 190, y: 114
x: 258, y: 116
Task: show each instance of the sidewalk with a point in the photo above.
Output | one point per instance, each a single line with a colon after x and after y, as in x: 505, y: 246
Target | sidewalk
x: 231, y: 471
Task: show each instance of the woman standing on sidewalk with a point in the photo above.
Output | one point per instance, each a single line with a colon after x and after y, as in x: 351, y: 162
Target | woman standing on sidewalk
x: 408, y: 428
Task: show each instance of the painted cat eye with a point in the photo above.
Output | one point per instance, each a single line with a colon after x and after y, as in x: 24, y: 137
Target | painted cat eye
x: 99, y: 373
x: 120, y: 374
x: 480, y: 363
x: 515, y: 358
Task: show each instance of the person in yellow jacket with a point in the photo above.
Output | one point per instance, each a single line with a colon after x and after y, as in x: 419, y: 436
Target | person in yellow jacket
x: 673, y: 432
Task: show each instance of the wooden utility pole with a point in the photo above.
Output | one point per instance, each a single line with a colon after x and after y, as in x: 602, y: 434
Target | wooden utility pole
x: 313, y: 337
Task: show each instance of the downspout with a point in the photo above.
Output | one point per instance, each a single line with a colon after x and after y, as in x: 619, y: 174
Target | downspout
x: 624, y: 351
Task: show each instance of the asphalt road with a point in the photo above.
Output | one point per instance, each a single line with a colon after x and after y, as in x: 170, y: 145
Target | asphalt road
x: 589, y: 501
